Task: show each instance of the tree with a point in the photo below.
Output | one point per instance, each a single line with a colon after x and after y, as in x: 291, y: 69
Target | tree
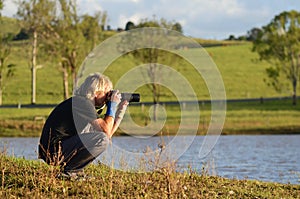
x: 6, y: 70
x: 231, y: 38
x: 66, y: 41
x: 129, y: 26
x: 22, y: 35
x: 71, y: 37
x: 92, y: 26
x: 34, y: 16
x: 253, y: 34
x: 279, y: 44
x: 177, y: 27
x: 151, y: 55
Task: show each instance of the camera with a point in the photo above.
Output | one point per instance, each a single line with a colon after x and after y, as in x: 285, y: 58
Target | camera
x: 130, y: 97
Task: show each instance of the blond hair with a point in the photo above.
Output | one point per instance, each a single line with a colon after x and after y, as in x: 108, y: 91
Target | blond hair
x: 93, y: 83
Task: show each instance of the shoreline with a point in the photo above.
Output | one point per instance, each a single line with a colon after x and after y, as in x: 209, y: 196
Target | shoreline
x: 224, y: 133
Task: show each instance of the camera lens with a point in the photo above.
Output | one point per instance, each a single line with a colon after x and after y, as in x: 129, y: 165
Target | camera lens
x: 131, y: 97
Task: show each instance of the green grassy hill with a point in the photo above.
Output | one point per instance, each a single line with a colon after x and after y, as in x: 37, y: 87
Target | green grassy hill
x: 9, y: 26
x: 242, y: 75
x: 18, y: 88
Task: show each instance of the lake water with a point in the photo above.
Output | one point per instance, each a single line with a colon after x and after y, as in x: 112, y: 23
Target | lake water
x: 274, y: 158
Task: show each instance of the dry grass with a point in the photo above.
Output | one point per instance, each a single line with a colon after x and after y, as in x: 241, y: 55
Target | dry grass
x: 34, y: 179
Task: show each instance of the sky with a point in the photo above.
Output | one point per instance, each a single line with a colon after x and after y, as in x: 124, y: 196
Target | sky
x: 207, y: 19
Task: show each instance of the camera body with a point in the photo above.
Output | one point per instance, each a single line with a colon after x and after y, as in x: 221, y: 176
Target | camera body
x: 130, y: 97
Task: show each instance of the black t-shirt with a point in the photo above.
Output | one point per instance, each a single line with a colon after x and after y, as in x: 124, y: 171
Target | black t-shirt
x: 67, y: 119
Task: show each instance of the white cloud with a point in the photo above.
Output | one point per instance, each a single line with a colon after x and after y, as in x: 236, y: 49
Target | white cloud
x: 89, y: 6
x: 230, y: 7
x: 123, y: 19
x: 199, y: 18
x: 215, y: 18
x: 10, y: 9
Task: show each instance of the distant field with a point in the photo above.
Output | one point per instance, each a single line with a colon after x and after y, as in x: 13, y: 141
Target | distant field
x: 242, y: 76
x: 18, y: 88
x: 9, y: 26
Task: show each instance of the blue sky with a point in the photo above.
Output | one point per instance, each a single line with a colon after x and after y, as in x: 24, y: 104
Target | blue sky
x: 208, y: 19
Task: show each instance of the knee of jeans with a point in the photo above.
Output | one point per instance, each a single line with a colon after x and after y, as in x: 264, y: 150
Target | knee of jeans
x: 103, y: 141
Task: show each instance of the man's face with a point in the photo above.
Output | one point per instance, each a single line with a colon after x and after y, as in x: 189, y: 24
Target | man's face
x: 101, y: 97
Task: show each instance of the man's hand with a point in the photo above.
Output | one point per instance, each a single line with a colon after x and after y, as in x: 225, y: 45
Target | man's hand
x: 116, y: 109
x: 113, y: 103
x: 120, y: 114
x: 116, y: 96
x: 121, y: 109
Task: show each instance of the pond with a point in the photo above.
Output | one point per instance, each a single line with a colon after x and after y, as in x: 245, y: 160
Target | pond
x: 274, y: 158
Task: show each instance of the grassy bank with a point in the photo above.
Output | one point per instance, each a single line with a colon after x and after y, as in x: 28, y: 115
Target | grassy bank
x: 34, y: 179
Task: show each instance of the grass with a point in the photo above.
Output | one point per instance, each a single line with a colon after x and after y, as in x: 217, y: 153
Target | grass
x: 18, y: 88
x: 9, y: 26
x: 271, y: 117
x: 22, y: 122
x: 242, y: 76
x: 34, y: 179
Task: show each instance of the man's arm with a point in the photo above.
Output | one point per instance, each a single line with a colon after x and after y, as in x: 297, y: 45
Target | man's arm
x: 119, y: 115
x: 105, y: 125
x: 110, y: 123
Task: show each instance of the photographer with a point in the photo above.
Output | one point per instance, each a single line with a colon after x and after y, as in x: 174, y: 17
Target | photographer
x: 74, y: 134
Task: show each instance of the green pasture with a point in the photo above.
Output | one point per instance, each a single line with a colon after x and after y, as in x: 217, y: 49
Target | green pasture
x: 243, y: 77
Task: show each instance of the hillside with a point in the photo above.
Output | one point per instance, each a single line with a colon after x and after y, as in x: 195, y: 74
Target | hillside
x: 242, y: 76
x: 9, y: 26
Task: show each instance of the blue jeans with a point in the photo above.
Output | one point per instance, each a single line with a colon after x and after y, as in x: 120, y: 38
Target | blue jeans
x: 80, y: 150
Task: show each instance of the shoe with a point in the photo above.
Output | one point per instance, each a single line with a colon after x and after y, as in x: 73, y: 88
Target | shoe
x: 71, y: 175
